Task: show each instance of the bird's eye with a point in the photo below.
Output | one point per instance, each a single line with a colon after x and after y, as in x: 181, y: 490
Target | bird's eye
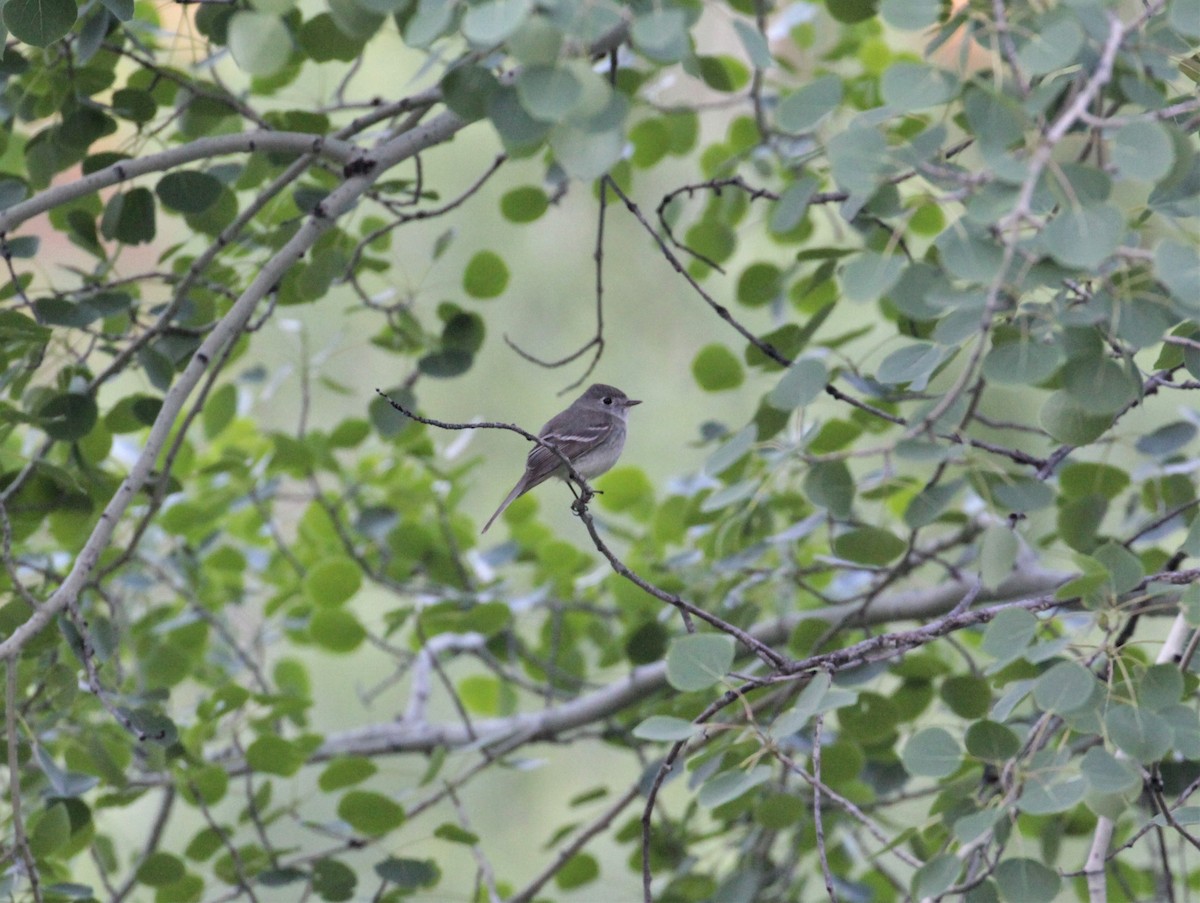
x: 608, y: 399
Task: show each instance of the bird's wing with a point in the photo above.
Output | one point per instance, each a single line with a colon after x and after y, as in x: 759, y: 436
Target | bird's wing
x: 571, y: 441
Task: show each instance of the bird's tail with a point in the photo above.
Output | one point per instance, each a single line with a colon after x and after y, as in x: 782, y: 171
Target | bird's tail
x: 512, y: 497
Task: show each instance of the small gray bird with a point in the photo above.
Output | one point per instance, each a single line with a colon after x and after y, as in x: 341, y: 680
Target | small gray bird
x: 591, y: 433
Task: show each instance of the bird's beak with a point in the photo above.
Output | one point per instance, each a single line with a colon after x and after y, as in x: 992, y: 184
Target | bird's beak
x: 630, y: 402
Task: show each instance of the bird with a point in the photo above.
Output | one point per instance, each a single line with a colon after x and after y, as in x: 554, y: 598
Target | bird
x: 590, y: 433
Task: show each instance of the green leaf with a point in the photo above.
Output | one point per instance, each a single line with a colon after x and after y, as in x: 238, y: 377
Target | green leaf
x: 332, y: 581
x: 661, y: 34
x: 966, y: 695
x: 586, y: 153
x: 699, y: 660
x: 1124, y: 568
x: 1143, y: 150
x: 429, y: 21
x: 50, y: 830
x: 1067, y: 422
x: 1026, y: 881
x: 454, y: 834
x: 716, y: 368
x: 789, y: 210
x: 548, y: 93
x: 259, y: 42
x: 991, y: 741
x: 1009, y: 635
x: 486, y: 695
x: 39, y: 22
x: 802, y: 382
x: 1051, y: 42
x: 723, y: 73
x: 664, y: 728
x: 160, y: 869
x: 995, y: 120
x: 915, y: 86
x: 408, y: 873
x: 851, y: 11
x: 936, y: 876
x: 270, y: 754
x: 1105, y: 773
x: 188, y: 191
x: 578, y: 870
x: 68, y: 417
x: 323, y: 41
x: 1177, y: 266
x: 1023, y: 362
x: 803, y: 109
x: 969, y: 255
x: 759, y: 284
x: 1064, y: 688
x: 829, y: 485
x: 913, y: 364
x: 625, y: 488
x: 869, y: 276
x: 129, y: 216
x: 1166, y: 440
x: 486, y: 275
x: 524, y: 204
x: 932, y: 753
x: 370, y: 813
x: 1099, y: 385
x: 869, y: 545
x: 468, y: 89
x: 333, y: 880
x: 729, y: 785
x: 911, y: 15
x: 732, y: 451
x: 121, y: 9
x: 1142, y: 735
x: 345, y: 771
x: 755, y: 44
x: 447, y: 363
x: 1160, y: 687
x: 519, y: 131
x: 1083, y: 478
x: 928, y: 504
x: 336, y: 630
x: 494, y: 20
x: 1084, y: 237
x: 1047, y: 793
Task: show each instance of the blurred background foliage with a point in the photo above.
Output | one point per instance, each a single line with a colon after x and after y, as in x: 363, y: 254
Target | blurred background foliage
x: 893, y: 595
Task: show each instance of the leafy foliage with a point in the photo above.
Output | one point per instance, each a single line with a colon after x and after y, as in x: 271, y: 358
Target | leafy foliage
x: 906, y: 633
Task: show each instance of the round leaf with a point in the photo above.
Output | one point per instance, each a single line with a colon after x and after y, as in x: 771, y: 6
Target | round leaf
x: 1084, y: 237
x: 68, y: 417
x: 370, y: 813
x: 259, y: 42
x: 869, y: 545
x: 717, y: 368
x: 486, y: 275
x: 801, y: 110
x: 1027, y: 881
x: 336, y: 630
x: 39, y: 22
x: 1064, y: 688
x: 524, y: 204
x: 332, y: 581
x: 699, y: 660
x: 188, y: 191
x: 932, y: 753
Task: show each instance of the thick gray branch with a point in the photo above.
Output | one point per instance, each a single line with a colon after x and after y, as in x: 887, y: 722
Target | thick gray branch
x: 201, y: 149
x: 553, y: 722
